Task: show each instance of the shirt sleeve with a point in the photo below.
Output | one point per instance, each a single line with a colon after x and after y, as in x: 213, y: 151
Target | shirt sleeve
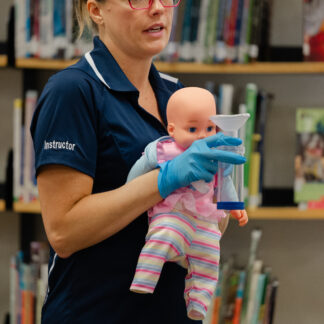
x: 64, y: 124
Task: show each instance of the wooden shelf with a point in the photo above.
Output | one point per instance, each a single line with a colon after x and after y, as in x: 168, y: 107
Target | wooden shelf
x: 3, y: 60
x: 285, y: 213
x: 45, y: 64
x: 271, y: 213
x: 2, y: 205
x: 197, y: 68
x: 32, y: 207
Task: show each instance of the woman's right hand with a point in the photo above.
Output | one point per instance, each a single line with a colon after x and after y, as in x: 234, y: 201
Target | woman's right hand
x: 198, y: 162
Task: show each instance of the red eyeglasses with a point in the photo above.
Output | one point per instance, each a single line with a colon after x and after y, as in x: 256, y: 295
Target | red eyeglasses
x: 146, y: 4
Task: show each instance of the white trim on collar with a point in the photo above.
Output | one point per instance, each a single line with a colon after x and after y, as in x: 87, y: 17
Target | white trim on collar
x: 94, y: 68
x: 168, y: 77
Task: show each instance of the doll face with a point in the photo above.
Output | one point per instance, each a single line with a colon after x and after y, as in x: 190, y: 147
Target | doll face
x: 188, y: 116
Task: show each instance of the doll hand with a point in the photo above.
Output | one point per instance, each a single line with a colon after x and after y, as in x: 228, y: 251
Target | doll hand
x: 198, y: 162
x: 241, y: 216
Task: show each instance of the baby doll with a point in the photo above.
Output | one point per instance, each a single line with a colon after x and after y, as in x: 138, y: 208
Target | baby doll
x: 183, y: 228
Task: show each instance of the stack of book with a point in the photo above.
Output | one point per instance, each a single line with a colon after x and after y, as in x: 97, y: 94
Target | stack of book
x: 48, y: 29
x: 24, y: 180
x: 220, y: 31
x: 244, y: 295
x: 28, y: 284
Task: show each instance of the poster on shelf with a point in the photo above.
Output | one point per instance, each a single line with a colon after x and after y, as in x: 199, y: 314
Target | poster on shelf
x: 309, y: 160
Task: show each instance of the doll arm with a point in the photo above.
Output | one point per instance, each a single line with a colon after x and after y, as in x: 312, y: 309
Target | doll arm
x: 229, y: 193
x: 241, y: 216
x: 147, y: 162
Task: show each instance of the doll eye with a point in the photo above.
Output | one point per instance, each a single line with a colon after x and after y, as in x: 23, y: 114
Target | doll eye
x: 210, y: 128
x: 192, y: 129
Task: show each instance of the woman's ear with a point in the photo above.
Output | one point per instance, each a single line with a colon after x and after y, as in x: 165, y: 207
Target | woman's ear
x: 170, y: 129
x: 94, y: 12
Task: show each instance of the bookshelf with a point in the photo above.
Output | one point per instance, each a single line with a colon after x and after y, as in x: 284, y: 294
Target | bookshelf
x: 197, y: 68
x: 3, y: 60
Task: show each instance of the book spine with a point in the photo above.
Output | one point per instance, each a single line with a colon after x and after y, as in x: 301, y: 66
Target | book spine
x: 47, y: 49
x: 256, y: 270
x: 202, y: 28
x: 29, y: 173
x: 185, y: 46
x: 210, y: 36
x: 239, y: 298
x: 220, y: 48
x: 14, y: 289
x: 258, y: 298
x: 226, y: 93
x: 20, y: 28
x: 251, y: 99
x: 60, y: 38
x: 254, y: 174
x: 230, y: 40
x: 17, y: 136
x: 243, y: 47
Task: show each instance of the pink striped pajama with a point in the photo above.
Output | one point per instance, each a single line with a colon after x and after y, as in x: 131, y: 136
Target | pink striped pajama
x: 194, y: 244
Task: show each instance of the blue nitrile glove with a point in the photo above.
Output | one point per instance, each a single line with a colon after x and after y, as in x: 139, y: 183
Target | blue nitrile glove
x: 198, y: 162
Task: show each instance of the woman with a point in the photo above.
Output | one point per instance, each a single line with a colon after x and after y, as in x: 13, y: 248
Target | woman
x: 91, y: 124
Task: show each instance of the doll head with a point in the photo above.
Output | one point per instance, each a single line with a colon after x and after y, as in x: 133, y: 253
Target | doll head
x: 188, y: 113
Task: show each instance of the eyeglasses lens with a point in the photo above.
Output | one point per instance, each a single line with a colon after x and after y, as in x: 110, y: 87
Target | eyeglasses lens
x: 145, y: 4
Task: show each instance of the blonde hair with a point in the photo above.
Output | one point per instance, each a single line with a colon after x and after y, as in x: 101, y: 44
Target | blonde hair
x: 83, y: 18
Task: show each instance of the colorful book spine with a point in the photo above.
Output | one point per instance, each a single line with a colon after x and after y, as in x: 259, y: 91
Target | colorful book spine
x: 220, y: 48
x: 251, y: 100
x: 185, y: 46
x: 17, y: 137
x: 258, y: 298
x: 210, y: 36
x: 29, y: 171
x: 239, y: 298
x: 202, y: 28
x: 254, y: 174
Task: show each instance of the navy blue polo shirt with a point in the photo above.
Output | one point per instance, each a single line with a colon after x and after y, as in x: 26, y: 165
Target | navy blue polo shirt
x: 88, y: 118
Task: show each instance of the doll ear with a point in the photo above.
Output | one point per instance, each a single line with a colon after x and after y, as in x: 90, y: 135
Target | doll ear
x: 171, y: 129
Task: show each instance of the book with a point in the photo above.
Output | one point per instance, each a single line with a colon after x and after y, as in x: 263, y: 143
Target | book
x: 252, y: 292
x: 313, y: 30
x: 251, y: 100
x: 254, y: 173
x: 309, y: 167
x: 17, y: 144
x: 186, y: 45
x: 201, y: 33
x: 30, y: 188
x: 225, y: 99
x: 239, y: 298
x: 210, y: 36
x: 220, y: 48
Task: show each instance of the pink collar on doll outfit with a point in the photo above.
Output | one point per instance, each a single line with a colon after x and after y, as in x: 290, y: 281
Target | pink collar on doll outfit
x: 191, y: 201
